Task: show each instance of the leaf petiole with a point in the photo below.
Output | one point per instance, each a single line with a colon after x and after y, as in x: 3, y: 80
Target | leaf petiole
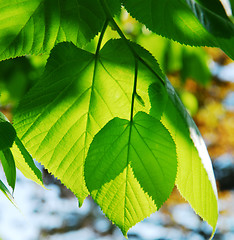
x: 134, y: 89
x: 121, y: 34
x: 101, y: 37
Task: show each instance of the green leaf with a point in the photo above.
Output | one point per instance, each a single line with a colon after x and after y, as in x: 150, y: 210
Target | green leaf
x: 25, y: 163
x: 7, y: 133
x: 213, y: 17
x: 139, y: 99
x: 195, y: 177
x: 8, y: 164
x: 158, y: 98
x: 34, y: 27
x: 81, y: 93
x: 129, y: 171
x: 6, y: 192
x: 175, y: 20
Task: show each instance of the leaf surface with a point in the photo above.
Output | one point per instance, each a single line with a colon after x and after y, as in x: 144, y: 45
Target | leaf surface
x: 34, y: 27
x: 81, y: 93
x: 129, y: 170
x: 8, y: 164
x: 195, y: 177
x: 7, y: 133
x: 175, y: 20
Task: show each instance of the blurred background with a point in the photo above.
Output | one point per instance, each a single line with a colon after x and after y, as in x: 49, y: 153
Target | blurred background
x: 203, y: 78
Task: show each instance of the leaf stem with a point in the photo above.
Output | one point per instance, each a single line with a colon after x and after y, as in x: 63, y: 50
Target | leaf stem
x: 101, y: 37
x: 134, y: 89
x: 121, y: 34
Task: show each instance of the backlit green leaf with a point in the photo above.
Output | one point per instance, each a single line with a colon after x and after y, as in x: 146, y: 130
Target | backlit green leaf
x: 9, y: 168
x: 35, y: 26
x: 175, y: 20
x: 129, y: 170
x: 195, y: 177
x: 81, y: 93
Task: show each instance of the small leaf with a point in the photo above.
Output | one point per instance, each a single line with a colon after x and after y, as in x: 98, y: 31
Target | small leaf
x: 139, y: 99
x: 6, y: 192
x: 8, y: 164
x: 158, y: 98
x: 129, y: 171
x: 213, y: 17
x: 7, y: 133
x: 195, y: 178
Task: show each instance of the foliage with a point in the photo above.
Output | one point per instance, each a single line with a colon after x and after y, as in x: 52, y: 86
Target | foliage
x: 109, y: 123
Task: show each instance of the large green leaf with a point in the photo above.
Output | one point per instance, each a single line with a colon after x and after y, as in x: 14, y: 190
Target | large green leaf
x: 81, y: 93
x: 212, y: 16
x: 175, y: 20
x: 35, y: 26
x: 7, y: 133
x: 129, y: 170
x: 195, y: 177
x: 8, y: 164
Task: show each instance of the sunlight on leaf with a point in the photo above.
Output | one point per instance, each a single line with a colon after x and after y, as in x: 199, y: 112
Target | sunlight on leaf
x: 129, y: 171
x: 80, y: 95
x: 195, y: 177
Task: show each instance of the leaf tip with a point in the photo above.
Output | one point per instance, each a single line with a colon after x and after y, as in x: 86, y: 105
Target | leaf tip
x: 80, y: 202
